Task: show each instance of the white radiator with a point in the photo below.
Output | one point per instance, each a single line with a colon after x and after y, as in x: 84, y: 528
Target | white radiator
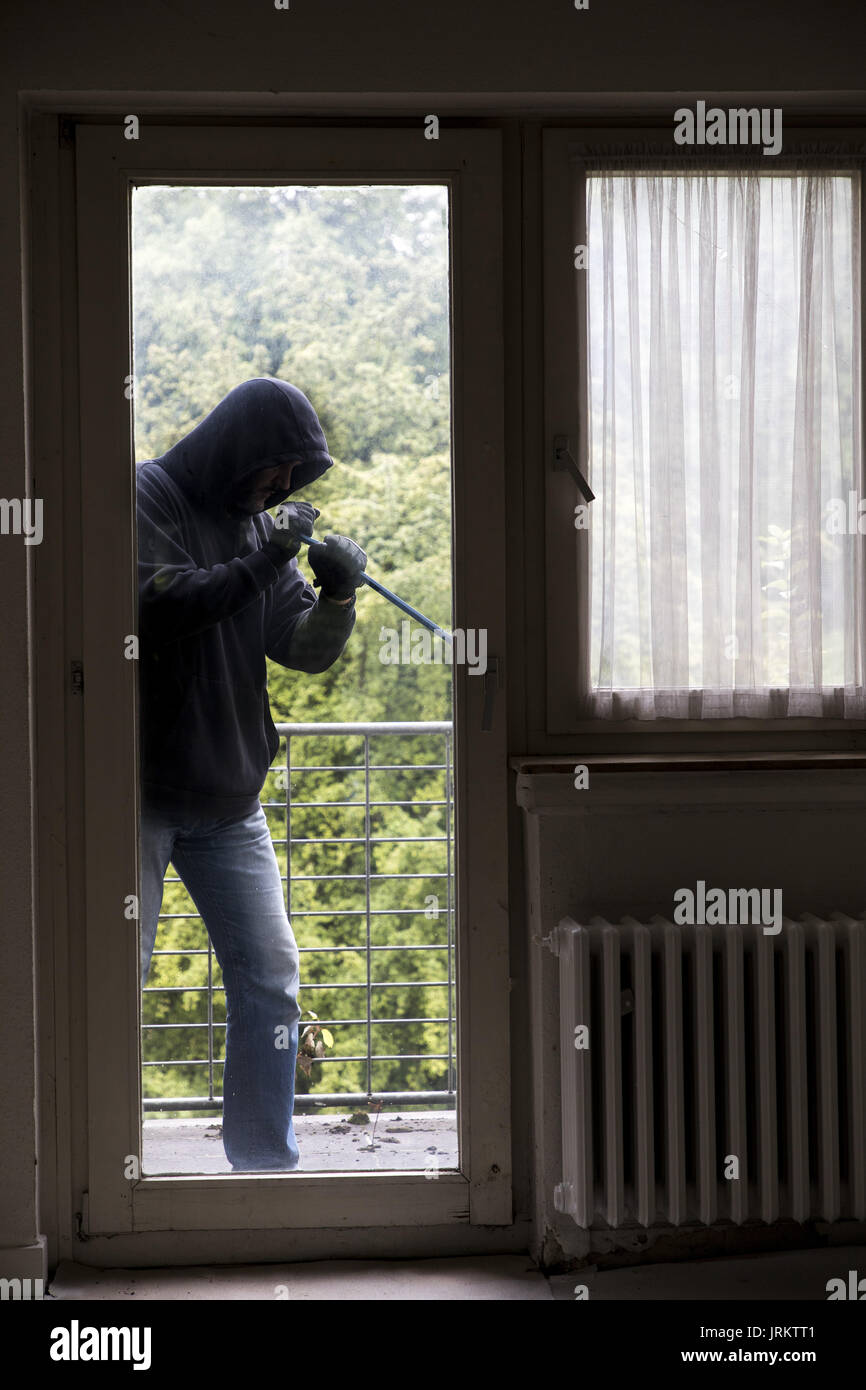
x: 707, y: 1044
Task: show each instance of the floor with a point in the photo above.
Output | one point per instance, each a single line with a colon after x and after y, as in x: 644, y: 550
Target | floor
x: 349, y: 1142
x: 798, y: 1276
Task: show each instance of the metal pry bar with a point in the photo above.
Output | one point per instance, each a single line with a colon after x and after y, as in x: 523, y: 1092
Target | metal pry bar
x: 393, y: 598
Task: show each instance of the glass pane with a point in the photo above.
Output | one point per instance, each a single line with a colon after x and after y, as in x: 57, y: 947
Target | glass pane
x: 342, y: 292
x: 723, y: 339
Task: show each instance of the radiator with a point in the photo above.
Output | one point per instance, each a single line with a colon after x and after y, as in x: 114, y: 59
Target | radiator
x: 707, y: 1044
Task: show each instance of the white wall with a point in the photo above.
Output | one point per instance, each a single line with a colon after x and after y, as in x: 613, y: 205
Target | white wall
x: 622, y: 848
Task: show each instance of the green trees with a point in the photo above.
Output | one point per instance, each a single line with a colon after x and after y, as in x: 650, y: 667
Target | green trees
x: 344, y: 292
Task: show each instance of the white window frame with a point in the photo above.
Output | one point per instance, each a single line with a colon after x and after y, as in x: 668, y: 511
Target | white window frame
x: 567, y: 550
x: 83, y: 463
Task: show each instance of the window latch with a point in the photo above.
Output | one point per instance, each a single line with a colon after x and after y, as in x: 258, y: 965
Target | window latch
x: 563, y: 458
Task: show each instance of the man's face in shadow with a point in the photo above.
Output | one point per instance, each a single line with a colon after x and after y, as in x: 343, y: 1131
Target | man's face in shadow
x: 263, y: 484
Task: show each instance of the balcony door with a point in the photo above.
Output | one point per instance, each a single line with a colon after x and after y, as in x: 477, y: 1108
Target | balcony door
x: 462, y: 171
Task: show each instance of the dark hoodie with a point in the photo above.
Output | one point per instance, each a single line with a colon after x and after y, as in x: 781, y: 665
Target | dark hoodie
x: 216, y: 595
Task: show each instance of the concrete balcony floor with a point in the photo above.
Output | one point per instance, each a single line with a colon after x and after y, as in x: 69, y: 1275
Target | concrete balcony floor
x: 327, y: 1143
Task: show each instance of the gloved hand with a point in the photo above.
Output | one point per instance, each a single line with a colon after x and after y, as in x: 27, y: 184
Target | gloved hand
x: 338, y: 565
x: 293, y: 519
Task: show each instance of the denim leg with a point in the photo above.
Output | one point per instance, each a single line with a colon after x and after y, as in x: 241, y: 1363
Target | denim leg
x: 156, y: 842
x: 231, y: 872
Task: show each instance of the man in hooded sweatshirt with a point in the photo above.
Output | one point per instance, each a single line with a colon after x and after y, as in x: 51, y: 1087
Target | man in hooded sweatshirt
x: 219, y: 591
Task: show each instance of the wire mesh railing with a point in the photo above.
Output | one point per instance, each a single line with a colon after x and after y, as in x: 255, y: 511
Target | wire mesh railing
x: 195, y: 1012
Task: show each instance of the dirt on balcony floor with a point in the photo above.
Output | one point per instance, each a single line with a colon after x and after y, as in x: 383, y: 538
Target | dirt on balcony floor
x: 327, y: 1143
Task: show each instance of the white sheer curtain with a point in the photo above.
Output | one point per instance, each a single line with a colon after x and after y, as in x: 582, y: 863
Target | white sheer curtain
x: 724, y: 434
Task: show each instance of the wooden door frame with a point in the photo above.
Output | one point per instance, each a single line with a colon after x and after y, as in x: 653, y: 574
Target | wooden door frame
x: 83, y: 427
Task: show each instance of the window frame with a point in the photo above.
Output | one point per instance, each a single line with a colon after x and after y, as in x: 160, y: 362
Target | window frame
x: 567, y: 551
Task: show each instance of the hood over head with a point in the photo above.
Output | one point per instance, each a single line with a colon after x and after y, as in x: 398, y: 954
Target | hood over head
x: 262, y: 422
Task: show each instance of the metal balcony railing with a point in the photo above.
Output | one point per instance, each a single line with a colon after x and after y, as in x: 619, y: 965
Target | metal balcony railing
x: 294, y: 812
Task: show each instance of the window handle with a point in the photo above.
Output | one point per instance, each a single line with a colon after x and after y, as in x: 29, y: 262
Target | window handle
x: 562, y: 458
x: 492, y: 681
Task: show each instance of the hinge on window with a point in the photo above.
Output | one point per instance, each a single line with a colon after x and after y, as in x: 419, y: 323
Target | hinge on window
x: 66, y: 133
x: 76, y: 677
x: 562, y: 458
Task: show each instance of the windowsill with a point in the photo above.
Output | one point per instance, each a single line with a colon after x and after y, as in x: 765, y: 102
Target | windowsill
x: 662, y: 783
x: 536, y: 764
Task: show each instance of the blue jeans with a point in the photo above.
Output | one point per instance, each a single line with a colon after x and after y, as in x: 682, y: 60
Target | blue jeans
x: 231, y: 873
